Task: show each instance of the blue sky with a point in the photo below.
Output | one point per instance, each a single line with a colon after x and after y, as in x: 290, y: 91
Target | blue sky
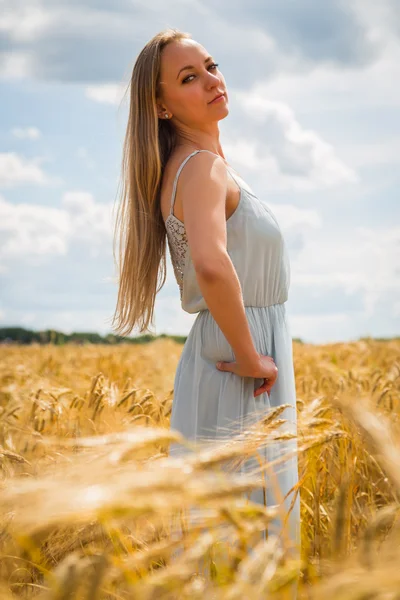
x: 314, y: 127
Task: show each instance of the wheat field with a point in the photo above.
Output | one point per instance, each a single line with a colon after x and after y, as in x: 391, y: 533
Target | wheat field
x: 89, y: 492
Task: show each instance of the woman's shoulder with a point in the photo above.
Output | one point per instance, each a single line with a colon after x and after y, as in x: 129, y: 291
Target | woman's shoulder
x: 179, y: 156
x: 174, y: 172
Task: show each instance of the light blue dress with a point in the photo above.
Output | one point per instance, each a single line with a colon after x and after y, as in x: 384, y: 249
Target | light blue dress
x: 208, y: 403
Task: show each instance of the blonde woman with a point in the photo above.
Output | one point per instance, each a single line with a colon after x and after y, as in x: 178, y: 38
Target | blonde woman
x: 227, y: 249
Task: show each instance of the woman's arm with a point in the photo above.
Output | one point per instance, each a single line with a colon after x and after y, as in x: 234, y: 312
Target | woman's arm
x: 221, y: 290
x: 203, y: 187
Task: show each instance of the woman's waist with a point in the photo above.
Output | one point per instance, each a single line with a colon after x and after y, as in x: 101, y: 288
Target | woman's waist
x: 264, y: 324
x: 254, y: 308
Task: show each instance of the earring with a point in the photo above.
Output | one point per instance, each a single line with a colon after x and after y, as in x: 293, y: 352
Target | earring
x: 166, y: 116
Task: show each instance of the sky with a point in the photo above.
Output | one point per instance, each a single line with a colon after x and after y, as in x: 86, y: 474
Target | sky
x: 313, y: 127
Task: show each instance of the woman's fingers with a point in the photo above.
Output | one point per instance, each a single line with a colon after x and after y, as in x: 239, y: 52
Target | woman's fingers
x: 264, y: 387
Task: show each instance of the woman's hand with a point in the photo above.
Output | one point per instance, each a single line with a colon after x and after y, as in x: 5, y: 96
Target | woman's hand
x: 265, y: 369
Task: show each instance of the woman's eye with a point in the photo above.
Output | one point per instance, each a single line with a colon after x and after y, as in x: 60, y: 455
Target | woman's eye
x: 215, y: 65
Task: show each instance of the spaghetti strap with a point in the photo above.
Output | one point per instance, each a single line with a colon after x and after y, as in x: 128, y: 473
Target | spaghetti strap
x: 179, y: 172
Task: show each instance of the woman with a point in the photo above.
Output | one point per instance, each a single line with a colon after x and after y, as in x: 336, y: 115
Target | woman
x: 226, y: 247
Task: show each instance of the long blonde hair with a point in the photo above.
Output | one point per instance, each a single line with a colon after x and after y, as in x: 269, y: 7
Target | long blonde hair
x: 148, y: 144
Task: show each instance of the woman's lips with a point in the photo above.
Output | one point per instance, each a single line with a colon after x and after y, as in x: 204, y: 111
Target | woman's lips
x: 221, y: 97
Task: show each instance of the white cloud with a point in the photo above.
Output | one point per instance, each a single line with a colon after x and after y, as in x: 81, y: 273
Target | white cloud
x: 37, y: 233
x: 380, y: 152
x: 90, y: 220
x: 335, y: 327
x: 170, y: 318
x: 366, y: 261
x: 32, y: 230
x: 24, y: 22
x: 288, y: 155
x: 326, y: 88
x: 16, y: 65
x: 16, y: 170
x: 107, y: 93
x: 292, y: 217
x: 32, y: 133
x: 380, y: 18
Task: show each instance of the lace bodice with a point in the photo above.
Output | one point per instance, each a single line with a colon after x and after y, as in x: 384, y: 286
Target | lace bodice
x: 178, y: 247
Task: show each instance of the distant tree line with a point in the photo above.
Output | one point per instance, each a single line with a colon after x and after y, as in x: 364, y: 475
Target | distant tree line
x: 19, y: 335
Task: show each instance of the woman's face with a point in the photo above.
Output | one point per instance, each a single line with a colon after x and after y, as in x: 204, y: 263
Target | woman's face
x: 187, y: 93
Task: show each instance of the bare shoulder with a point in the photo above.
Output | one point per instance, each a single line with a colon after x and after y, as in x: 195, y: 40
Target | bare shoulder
x: 202, y: 168
x: 202, y: 173
x: 202, y: 158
